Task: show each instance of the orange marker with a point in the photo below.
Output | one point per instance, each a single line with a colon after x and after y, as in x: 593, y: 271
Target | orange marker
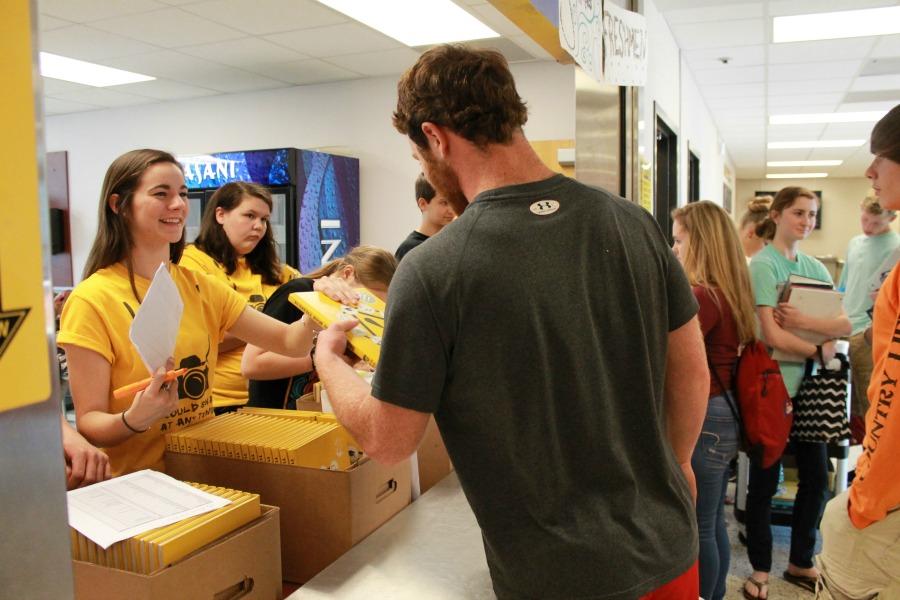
x: 127, y: 391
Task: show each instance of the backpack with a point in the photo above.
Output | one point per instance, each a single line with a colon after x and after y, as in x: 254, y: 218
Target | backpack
x: 766, y: 411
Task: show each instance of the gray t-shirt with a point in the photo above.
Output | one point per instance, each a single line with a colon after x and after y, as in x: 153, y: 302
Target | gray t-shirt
x: 539, y: 341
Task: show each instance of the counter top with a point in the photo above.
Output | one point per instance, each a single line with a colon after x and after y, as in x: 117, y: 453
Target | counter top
x: 431, y: 549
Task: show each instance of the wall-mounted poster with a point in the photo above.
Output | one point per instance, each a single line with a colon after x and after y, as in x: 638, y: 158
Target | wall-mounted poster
x: 727, y: 199
x: 818, y: 193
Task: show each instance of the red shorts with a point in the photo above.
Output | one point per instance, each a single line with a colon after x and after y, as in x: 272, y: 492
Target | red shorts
x: 684, y: 587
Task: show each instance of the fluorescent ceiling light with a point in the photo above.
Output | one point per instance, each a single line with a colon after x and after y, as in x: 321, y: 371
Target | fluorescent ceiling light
x: 834, y: 25
x: 795, y: 175
x: 416, y: 22
x: 840, y: 117
x: 79, y: 71
x: 816, y: 144
x: 804, y: 163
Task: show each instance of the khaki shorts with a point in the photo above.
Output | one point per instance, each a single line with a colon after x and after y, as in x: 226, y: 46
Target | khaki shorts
x: 858, y: 564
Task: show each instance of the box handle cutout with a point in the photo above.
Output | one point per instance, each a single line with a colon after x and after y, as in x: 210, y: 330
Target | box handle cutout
x: 238, y: 590
x: 389, y: 488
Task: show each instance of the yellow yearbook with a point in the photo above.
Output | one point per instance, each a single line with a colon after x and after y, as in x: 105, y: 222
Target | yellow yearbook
x: 365, y: 338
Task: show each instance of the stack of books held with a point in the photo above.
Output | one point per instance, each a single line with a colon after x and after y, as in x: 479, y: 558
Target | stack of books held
x: 811, y: 297
x: 153, y: 550
x: 364, y: 339
x: 277, y: 436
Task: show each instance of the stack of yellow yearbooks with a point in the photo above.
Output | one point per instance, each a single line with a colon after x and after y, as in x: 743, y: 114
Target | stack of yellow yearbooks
x: 158, y: 548
x: 365, y: 338
x: 285, y: 437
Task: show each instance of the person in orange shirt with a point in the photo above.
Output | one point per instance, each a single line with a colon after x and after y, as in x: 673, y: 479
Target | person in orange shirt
x: 860, y: 556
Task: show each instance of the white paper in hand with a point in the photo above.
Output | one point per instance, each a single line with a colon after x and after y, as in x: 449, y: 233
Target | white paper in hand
x: 155, y: 326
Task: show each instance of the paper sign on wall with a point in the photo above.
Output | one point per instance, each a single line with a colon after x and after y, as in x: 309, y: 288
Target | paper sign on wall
x: 624, y: 46
x: 581, y: 34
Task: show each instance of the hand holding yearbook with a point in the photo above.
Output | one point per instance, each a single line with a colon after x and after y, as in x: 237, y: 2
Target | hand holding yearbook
x: 811, y: 297
x: 365, y: 338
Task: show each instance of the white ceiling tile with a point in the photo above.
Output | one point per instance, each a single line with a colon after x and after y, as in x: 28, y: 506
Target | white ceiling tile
x: 260, y: 17
x: 494, y: 19
x: 105, y: 97
x: 803, y: 103
x: 373, y: 64
x: 84, y: 11
x: 744, y: 32
x: 848, y: 131
x: 667, y: 5
x: 335, y: 40
x: 740, y: 114
x: 876, y: 82
x: 736, y: 56
x: 887, y: 46
x: 164, y: 89
x: 169, y: 28
x: 800, y: 7
x: 304, y: 72
x: 176, y: 66
x: 820, y: 50
x: 730, y: 91
x: 814, y: 70
x: 529, y: 45
x: 85, y: 43
x: 714, y: 13
x: 245, y: 52
x: 48, y: 23
x: 742, y: 75
x: 787, y: 133
x: 53, y: 106
x: 867, y: 106
x: 811, y: 86
x: 58, y: 86
x: 757, y: 101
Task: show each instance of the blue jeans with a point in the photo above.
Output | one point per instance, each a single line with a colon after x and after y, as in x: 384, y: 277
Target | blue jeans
x: 716, y: 448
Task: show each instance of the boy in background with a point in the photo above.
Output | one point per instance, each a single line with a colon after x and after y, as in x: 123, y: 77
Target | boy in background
x: 865, y: 254
x: 436, y: 214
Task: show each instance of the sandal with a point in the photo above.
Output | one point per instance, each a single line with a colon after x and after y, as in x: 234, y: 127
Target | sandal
x: 761, y: 587
x: 804, y: 581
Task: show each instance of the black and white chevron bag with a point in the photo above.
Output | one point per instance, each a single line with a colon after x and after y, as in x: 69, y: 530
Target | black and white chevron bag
x: 820, y: 407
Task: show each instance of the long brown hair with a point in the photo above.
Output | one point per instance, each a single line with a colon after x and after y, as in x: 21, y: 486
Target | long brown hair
x: 372, y: 266
x: 714, y: 258
x: 114, y: 243
x: 785, y: 198
x: 212, y: 239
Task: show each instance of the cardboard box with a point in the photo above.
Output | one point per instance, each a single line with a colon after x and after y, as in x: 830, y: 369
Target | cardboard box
x: 434, y: 464
x: 245, y: 564
x: 323, y: 513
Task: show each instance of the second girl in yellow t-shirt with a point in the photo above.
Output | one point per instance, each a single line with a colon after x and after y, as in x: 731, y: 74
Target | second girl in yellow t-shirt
x: 236, y: 246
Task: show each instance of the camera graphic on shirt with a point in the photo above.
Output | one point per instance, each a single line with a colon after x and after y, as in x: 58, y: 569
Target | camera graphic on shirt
x: 195, y: 380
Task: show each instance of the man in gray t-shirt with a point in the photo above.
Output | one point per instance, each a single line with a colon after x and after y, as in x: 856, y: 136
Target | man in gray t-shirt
x: 537, y: 328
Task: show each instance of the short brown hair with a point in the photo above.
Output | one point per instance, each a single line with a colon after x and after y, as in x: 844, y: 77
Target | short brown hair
x: 467, y: 90
x: 886, y: 136
x: 871, y: 205
x: 424, y: 189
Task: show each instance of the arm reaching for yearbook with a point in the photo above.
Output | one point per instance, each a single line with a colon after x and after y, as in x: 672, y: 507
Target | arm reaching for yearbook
x: 85, y: 464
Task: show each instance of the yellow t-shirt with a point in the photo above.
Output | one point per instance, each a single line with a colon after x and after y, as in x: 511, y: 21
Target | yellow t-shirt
x: 229, y: 386
x: 98, y: 316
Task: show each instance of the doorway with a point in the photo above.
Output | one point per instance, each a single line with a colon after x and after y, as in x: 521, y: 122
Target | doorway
x: 666, y: 176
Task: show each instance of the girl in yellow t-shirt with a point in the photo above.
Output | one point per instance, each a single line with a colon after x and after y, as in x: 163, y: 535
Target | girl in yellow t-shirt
x: 236, y: 246
x: 143, y: 208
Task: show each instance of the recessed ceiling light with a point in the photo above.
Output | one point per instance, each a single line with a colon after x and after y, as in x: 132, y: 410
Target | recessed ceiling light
x: 816, y: 144
x: 416, y: 22
x: 838, y: 117
x: 795, y: 175
x: 834, y: 25
x: 804, y: 163
x: 86, y: 73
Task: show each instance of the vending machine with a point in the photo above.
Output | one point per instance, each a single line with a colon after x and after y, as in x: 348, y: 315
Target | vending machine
x: 315, y: 198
